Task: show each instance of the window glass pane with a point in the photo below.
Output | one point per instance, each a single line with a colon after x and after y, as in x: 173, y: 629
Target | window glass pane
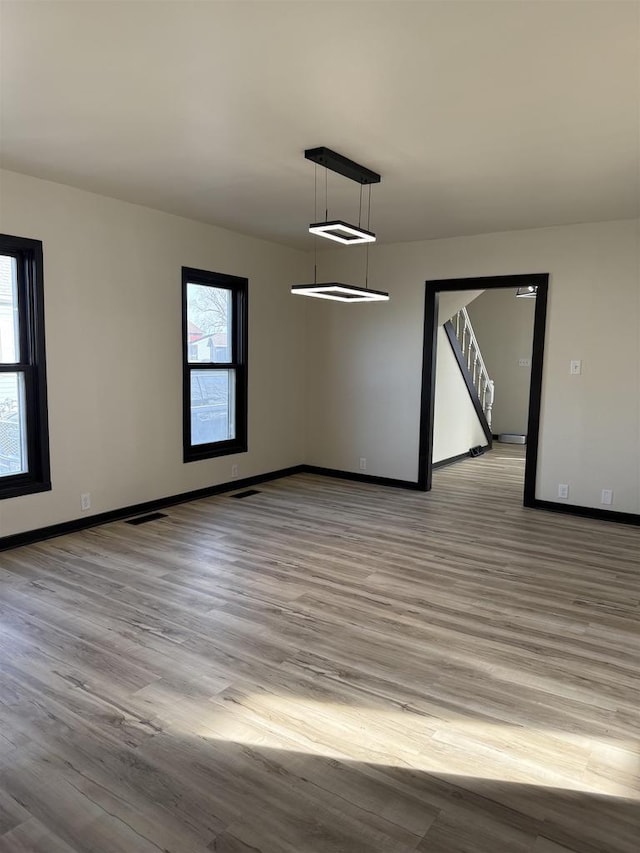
x: 208, y: 324
x: 13, y: 431
x: 9, y: 320
x: 212, y: 405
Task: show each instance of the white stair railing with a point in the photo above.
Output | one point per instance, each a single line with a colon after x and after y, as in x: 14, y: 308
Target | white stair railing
x: 475, y: 363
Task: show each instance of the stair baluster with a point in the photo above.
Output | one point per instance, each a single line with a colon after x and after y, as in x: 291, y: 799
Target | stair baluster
x: 475, y: 363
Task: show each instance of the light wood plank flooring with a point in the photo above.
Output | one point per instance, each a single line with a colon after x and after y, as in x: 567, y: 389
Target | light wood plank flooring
x: 326, y: 666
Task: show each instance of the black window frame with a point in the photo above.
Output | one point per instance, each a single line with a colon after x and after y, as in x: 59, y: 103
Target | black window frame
x: 32, y: 364
x: 239, y: 288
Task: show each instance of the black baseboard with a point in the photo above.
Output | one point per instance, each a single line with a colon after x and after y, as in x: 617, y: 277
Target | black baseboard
x: 450, y: 461
x: 77, y: 524
x: 360, y: 478
x: 29, y: 537
x: 587, y: 512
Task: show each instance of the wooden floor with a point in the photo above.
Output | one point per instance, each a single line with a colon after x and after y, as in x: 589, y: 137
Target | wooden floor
x: 326, y: 666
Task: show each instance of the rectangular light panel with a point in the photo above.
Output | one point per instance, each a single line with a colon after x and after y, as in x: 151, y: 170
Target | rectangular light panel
x: 338, y: 292
x: 342, y: 232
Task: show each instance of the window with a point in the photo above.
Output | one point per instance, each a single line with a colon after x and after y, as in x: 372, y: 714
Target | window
x: 24, y: 439
x: 214, y: 311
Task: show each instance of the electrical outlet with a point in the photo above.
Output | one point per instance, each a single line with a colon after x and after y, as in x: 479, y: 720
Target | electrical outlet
x: 234, y: 470
x: 563, y: 490
x: 363, y: 463
x: 606, y: 497
x: 85, y: 502
x: 524, y: 362
x: 575, y: 367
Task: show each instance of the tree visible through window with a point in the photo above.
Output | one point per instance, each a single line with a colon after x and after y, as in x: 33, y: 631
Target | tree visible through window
x: 214, y: 335
x: 24, y: 449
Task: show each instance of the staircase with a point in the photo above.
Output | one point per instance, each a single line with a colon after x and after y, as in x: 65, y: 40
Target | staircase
x: 465, y: 346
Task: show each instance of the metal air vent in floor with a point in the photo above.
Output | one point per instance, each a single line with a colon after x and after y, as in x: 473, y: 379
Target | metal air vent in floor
x: 246, y: 494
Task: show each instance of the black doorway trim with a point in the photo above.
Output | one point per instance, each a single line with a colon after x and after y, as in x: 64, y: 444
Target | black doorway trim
x: 432, y: 292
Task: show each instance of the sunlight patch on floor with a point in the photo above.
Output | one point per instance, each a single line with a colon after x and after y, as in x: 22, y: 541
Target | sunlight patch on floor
x: 472, y: 748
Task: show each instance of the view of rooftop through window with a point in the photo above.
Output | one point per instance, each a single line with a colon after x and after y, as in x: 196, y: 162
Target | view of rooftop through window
x: 209, y: 315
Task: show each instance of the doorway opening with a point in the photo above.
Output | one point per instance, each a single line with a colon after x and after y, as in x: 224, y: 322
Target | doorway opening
x: 434, y: 289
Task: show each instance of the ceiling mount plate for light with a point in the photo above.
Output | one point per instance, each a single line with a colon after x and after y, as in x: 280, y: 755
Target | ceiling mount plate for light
x: 342, y: 165
x: 339, y: 292
x: 342, y: 232
x: 528, y: 292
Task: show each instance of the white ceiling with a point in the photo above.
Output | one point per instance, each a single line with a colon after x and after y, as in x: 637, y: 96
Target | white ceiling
x: 480, y: 116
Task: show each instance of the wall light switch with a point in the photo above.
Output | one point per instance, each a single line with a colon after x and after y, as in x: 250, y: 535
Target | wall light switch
x: 575, y: 367
x: 524, y: 362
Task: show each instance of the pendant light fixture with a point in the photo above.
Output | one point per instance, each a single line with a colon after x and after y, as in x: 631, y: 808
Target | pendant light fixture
x: 340, y: 292
x: 340, y: 231
x: 337, y: 229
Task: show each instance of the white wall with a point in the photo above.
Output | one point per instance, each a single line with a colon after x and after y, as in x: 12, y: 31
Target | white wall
x: 366, y: 393
x: 450, y: 302
x: 456, y: 427
x: 328, y: 383
x: 359, y: 395
x: 113, y: 328
x: 503, y: 326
